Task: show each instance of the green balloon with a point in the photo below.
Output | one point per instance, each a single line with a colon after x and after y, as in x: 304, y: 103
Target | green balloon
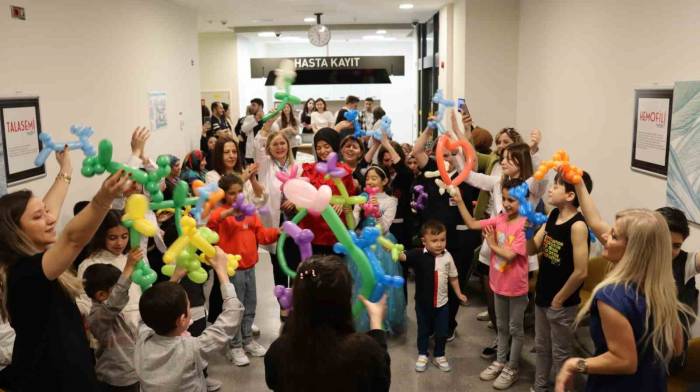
x: 281, y: 259
x: 356, y: 254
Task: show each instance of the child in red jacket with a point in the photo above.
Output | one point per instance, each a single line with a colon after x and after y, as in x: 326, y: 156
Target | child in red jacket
x: 241, y: 235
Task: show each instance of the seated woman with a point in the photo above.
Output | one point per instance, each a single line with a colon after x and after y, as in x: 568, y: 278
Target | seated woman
x: 318, y: 349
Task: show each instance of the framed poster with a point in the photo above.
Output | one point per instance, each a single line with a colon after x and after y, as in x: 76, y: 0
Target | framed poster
x: 652, y: 125
x: 683, y: 185
x: 156, y: 110
x: 20, y: 124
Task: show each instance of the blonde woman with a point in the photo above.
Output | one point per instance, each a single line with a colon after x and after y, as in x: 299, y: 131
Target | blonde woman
x: 51, y: 351
x: 634, y: 322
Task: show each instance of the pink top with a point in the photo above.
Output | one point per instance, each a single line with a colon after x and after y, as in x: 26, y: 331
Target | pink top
x: 508, y: 278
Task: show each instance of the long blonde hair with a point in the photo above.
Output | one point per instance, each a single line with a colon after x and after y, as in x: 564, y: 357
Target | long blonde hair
x: 646, y: 264
x: 15, y: 244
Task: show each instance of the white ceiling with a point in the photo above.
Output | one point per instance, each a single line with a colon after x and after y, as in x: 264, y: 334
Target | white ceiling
x: 258, y: 13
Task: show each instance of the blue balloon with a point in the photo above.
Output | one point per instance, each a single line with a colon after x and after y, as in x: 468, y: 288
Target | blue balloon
x: 536, y: 219
x: 83, y: 143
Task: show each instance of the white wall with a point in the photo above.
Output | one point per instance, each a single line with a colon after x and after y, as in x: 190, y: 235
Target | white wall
x: 218, y: 67
x: 481, y: 45
x: 579, y: 63
x: 93, y: 62
x: 398, y: 99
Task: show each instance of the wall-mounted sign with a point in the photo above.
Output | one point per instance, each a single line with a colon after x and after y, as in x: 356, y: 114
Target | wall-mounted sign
x: 20, y: 125
x: 652, y: 125
x: 394, y: 65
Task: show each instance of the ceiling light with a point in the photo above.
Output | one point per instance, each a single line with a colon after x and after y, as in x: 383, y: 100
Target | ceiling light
x: 381, y: 31
x: 309, y: 19
x: 267, y: 34
x: 406, y: 6
x: 377, y: 38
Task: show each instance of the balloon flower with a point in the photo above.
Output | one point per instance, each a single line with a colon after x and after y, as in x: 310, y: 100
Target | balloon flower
x: 150, y: 180
x: 207, y: 198
x: 284, y: 78
x: 365, y: 241
x: 331, y: 170
x: 134, y: 219
x: 193, y: 247
x: 353, y: 116
x: 443, y: 104
x: 560, y: 162
x: 420, y: 199
x: 447, y: 144
x: 83, y: 143
x: 535, y: 219
x: 309, y: 199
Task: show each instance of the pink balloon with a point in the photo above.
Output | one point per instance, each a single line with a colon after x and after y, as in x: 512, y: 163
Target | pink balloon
x: 304, y: 195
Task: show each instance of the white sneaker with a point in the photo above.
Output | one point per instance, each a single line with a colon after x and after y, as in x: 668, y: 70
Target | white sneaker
x: 255, y: 349
x: 255, y: 330
x: 237, y: 356
x: 213, y: 384
x: 442, y: 364
x: 483, y: 316
x: 453, y: 336
x: 491, y: 372
x: 506, y: 379
x: 421, y: 363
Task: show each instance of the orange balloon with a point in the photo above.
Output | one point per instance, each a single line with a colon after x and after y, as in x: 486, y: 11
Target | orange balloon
x: 447, y: 143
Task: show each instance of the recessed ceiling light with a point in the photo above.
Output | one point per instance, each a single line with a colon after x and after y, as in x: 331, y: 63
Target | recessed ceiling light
x: 267, y: 34
x: 377, y: 38
x: 406, y: 6
x: 381, y: 31
x: 309, y: 19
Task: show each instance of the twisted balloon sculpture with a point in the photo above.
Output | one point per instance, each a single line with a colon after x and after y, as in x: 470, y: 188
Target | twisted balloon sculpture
x: 443, y: 104
x: 134, y: 219
x: 284, y: 79
x: 536, y: 219
x: 83, y: 143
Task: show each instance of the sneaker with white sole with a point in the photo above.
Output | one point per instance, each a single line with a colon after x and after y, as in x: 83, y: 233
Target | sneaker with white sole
x: 421, y: 363
x: 483, y: 316
x: 491, y: 372
x: 453, y: 336
x: 442, y: 364
x: 255, y: 330
x: 255, y: 349
x: 213, y: 384
x: 237, y: 356
x: 506, y: 379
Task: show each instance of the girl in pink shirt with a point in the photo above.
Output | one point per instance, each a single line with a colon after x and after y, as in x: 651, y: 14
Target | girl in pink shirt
x: 505, y: 235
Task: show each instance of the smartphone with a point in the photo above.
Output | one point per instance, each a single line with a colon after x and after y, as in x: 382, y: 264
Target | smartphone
x: 462, y: 106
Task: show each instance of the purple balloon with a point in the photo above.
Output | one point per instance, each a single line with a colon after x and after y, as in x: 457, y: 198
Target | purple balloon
x: 330, y: 167
x: 244, y: 208
x: 302, y: 237
x: 284, y: 296
x: 419, y: 202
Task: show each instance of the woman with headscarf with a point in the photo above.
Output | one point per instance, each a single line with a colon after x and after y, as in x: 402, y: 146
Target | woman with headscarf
x: 194, y: 167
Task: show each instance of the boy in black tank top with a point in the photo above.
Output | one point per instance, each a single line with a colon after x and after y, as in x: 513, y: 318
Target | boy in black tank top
x: 563, y: 246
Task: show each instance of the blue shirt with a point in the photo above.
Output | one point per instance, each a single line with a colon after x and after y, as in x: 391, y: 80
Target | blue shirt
x: 651, y: 372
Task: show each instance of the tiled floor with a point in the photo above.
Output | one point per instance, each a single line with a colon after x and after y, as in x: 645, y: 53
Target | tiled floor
x: 463, y: 352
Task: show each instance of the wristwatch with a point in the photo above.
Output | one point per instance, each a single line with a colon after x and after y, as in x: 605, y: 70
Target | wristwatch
x: 581, y: 366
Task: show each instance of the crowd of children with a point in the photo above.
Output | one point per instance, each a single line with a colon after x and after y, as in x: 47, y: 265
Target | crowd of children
x: 160, y: 338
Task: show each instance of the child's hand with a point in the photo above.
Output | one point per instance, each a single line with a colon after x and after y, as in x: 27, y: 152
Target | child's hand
x: 178, y: 274
x: 374, y: 200
x: 219, y: 261
x: 375, y: 311
x: 138, y: 141
x: 490, y: 236
x: 463, y: 298
x: 338, y: 208
x: 457, y: 197
x: 135, y: 255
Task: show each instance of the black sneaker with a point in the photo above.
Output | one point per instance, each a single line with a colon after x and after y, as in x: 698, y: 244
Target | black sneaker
x: 489, y: 353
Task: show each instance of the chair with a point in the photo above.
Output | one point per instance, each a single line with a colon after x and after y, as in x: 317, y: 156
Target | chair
x: 598, y: 267
x: 682, y: 380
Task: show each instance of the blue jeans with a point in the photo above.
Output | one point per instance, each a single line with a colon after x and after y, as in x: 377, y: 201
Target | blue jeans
x: 432, y: 321
x: 244, y: 282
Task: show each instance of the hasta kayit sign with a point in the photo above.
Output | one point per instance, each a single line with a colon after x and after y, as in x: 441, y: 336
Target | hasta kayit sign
x: 394, y: 65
